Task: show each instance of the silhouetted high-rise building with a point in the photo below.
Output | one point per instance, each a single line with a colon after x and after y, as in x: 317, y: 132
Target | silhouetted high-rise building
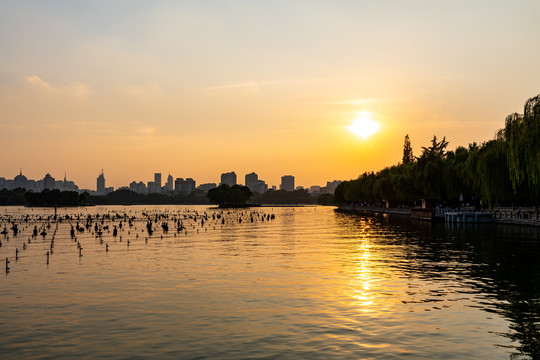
x: 169, y: 185
x: 48, y: 182
x: 251, y: 181
x: 20, y: 181
x: 100, y: 188
x: 157, y: 179
x: 287, y: 183
x: 184, y: 186
x: 207, y: 186
x: 153, y: 187
x: 254, y: 184
x: 331, y: 186
x: 178, y: 184
x: 65, y: 185
x: 138, y: 187
x: 189, y: 185
x: 32, y: 185
x: 261, y: 187
x: 228, y: 178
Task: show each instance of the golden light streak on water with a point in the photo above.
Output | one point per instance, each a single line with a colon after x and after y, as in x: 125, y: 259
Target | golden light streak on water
x: 310, y: 284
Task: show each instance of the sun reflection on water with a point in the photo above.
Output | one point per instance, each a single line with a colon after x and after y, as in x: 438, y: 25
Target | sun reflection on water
x: 363, y: 274
x: 312, y: 284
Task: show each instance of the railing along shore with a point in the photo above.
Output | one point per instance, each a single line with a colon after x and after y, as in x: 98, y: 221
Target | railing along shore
x: 529, y: 216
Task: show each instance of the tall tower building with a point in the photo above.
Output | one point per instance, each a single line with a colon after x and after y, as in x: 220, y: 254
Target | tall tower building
x: 179, y: 185
x: 157, y: 179
x: 169, y: 185
x: 189, y: 185
x: 100, y: 188
x: 252, y: 180
x: 20, y: 181
x: 228, y: 178
x: 287, y: 183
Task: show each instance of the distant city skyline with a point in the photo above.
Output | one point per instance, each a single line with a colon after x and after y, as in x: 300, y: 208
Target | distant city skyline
x: 102, y: 185
x: 40, y: 184
x: 318, y: 89
x: 116, y: 182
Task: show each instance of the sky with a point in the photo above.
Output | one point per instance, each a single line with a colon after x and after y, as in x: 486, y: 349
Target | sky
x: 198, y: 88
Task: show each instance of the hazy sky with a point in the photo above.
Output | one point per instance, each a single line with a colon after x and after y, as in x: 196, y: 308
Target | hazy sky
x: 197, y: 88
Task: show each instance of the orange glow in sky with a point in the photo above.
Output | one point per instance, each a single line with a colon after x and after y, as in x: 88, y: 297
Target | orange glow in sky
x: 201, y: 88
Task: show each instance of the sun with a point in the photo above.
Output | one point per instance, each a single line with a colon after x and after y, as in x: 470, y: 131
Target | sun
x: 363, y: 126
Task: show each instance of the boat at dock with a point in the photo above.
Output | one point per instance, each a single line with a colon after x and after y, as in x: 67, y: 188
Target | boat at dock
x: 425, y: 214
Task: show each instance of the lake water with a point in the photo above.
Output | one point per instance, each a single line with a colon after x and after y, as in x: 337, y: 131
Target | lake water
x: 309, y: 284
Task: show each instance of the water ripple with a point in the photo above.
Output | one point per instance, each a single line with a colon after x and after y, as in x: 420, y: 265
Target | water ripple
x: 310, y: 284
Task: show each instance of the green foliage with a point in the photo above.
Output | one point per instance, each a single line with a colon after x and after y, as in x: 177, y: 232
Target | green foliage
x: 505, y: 170
x: 436, y: 149
x: 522, y: 134
x: 51, y: 198
x: 408, y: 156
x: 12, y: 197
x: 300, y: 196
x: 128, y: 197
x: 325, y: 199
x: 492, y: 170
x: 225, y: 195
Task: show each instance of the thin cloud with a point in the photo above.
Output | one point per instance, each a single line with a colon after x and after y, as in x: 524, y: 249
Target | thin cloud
x: 38, y: 82
x: 151, y: 90
x: 354, y: 102
x: 76, y: 89
x: 147, y: 131
x: 254, y: 84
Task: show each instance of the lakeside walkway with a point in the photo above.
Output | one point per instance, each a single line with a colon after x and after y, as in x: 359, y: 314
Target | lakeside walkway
x: 508, y: 216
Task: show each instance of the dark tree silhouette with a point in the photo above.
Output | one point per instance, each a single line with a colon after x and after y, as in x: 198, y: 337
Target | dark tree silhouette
x: 408, y: 156
x: 503, y: 171
x: 436, y: 149
x: 225, y: 195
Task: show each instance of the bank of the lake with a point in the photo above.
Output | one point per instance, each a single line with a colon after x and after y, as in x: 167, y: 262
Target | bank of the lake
x: 506, y: 216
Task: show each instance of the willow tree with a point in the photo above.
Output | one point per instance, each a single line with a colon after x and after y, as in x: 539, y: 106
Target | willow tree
x: 522, y: 135
x: 513, y: 134
x: 492, y: 172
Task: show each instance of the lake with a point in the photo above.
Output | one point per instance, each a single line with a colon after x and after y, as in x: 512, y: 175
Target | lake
x: 265, y: 283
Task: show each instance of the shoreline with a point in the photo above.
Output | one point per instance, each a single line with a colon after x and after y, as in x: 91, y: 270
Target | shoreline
x: 54, y: 206
x: 157, y: 204
x: 512, y: 220
x: 353, y: 209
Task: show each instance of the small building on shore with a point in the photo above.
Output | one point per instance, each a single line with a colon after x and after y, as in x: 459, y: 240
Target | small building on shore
x: 429, y: 203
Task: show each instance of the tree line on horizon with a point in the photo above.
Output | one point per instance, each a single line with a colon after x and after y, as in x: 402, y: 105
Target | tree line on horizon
x: 504, y: 171
x: 225, y: 195
x: 222, y: 195
x: 56, y: 197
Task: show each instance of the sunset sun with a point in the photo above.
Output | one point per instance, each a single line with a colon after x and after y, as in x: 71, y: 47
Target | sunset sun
x: 364, y: 126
